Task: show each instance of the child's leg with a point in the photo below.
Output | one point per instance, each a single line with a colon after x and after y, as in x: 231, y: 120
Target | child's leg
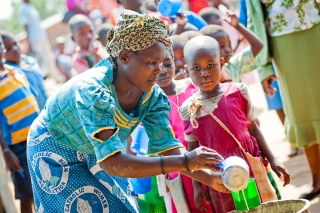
x: 22, y: 181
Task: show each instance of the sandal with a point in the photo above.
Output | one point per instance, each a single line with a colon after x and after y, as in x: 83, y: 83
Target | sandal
x: 294, y: 152
x: 311, y: 195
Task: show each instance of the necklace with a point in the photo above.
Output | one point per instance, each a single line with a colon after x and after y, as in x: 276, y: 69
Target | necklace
x: 214, y: 99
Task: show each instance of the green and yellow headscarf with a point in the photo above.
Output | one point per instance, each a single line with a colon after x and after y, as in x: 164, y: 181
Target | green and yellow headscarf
x: 135, y: 32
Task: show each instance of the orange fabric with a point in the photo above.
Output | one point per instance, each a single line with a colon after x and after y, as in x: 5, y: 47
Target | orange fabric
x: 105, y: 6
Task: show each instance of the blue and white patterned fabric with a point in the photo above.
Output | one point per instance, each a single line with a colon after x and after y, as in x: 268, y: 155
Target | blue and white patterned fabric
x: 64, y: 155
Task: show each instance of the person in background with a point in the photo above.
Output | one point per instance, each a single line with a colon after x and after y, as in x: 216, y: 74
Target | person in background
x: 239, y: 63
x: 63, y: 59
x: 211, y: 15
x: 38, y: 41
x: 18, y: 109
x: 78, y: 7
x: 134, y: 5
x: 273, y: 99
x: 105, y: 6
x: 178, y: 43
x: 102, y: 39
x: 231, y: 104
x: 86, y: 54
x: 25, y: 64
x: 293, y: 36
x: 86, y: 122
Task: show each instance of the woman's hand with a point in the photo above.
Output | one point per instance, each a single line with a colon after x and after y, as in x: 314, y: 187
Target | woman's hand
x: 199, y: 195
x: 281, y: 173
x: 203, y: 158
x: 12, y: 161
x: 266, y: 85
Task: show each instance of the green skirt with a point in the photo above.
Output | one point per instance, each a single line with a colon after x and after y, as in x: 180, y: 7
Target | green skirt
x: 297, y: 62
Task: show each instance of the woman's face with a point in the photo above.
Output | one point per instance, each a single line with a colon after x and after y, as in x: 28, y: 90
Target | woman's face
x: 167, y: 71
x: 141, y: 68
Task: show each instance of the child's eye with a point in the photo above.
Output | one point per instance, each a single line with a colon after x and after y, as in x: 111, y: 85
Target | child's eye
x: 168, y: 65
x: 196, y: 68
x: 210, y: 65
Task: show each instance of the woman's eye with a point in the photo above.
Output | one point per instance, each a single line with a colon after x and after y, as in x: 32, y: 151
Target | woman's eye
x: 168, y: 65
x: 210, y: 65
x: 152, y: 63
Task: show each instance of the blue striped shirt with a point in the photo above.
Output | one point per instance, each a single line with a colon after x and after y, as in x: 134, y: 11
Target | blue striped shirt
x: 18, y: 106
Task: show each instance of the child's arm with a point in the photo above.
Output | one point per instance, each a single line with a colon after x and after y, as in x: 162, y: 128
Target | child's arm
x: 10, y: 158
x: 181, y: 21
x: 265, y: 151
x: 199, y: 192
x: 254, y: 41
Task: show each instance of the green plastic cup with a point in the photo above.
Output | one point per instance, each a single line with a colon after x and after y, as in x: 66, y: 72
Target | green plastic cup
x: 248, y: 198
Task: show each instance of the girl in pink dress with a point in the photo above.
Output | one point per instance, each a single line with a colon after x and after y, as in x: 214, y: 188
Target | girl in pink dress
x: 178, y: 91
x: 229, y: 102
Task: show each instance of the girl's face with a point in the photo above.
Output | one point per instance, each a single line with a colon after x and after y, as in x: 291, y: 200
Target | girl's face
x: 179, y: 61
x: 204, y: 68
x: 141, y: 69
x: 225, y: 45
x: 13, y: 52
x: 84, y: 36
x: 167, y: 71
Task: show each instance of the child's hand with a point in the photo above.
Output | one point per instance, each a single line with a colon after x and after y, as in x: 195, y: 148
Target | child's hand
x: 281, y: 173
x: 12, y: 161
x: 199, y: 194
x: 231, y: 18
x: 266, y: 85
x: 181, y: 19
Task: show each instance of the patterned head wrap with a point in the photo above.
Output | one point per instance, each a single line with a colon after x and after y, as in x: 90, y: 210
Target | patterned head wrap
x: 135, y: 32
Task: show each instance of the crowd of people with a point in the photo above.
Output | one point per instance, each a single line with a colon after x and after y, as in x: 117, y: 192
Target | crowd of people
x: 126, y: 65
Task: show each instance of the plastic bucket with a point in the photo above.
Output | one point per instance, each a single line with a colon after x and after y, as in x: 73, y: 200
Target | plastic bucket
x: 248, y: 198
x: 141, y: 185
x: 169, y: 8
x: 281, y: 206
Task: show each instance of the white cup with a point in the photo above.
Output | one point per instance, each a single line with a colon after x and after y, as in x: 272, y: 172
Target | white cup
x: 235, y: 175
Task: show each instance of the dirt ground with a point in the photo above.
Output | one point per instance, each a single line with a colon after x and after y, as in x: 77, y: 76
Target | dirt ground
x: 273, y: 131
x: 274, y: 134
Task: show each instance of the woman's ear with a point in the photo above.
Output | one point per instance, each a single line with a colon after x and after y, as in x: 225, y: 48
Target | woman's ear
x: 221, y: 62
x: 124, y: 56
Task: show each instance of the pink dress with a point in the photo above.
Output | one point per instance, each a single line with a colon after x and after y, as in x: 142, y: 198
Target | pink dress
x: 177, y: 125
x: 231, y: 109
